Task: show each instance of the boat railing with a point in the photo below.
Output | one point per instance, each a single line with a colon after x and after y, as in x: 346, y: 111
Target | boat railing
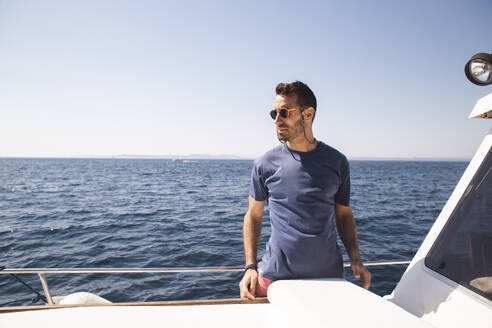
x: 42, y: 272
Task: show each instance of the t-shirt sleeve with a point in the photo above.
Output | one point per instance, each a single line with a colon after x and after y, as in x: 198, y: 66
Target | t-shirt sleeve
x: 257, y: 188
x: 342, y: 196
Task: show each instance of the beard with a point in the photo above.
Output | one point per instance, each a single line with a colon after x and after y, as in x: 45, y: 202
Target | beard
x: 283, y: 136
x: 292, y: 131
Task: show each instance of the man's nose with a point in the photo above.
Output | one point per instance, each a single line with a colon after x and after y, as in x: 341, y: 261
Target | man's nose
x: 278, y: 119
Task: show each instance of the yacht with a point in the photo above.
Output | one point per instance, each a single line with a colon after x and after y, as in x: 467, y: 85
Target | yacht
x: 448, y: 283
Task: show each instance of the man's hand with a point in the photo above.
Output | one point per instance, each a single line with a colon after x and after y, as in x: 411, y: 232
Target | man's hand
x: 360, y: 272
x: 247, y: 286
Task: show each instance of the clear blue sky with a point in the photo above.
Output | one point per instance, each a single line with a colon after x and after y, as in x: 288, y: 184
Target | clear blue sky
x: 107, y: 78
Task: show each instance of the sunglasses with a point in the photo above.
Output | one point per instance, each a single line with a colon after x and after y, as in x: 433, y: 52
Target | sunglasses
x: 284, y: 112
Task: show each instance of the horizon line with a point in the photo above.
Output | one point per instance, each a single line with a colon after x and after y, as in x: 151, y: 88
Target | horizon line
x: 234, y: 157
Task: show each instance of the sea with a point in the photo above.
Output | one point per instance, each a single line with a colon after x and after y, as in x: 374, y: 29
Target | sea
x: 156, y: 213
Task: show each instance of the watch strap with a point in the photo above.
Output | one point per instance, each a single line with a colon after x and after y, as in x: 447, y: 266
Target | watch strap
x: 250, y: 266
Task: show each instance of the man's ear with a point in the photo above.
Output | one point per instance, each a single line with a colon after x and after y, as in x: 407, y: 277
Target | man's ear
x: 309, y: 113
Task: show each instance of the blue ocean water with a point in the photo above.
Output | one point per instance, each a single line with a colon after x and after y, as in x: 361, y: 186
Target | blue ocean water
x: 119, y: 213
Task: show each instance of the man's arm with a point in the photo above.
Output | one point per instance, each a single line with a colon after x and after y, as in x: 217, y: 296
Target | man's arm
x: 251, y: 238
x: 348, y: 233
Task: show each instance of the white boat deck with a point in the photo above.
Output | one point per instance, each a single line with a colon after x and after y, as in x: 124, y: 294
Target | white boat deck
x: 293, y: 303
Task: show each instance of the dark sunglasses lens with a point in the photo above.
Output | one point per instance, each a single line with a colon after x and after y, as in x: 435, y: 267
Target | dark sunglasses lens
x: 273, y: 114
x: 284, y: 112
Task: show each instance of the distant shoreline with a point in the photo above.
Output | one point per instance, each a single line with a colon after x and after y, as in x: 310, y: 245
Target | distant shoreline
x: 234, y: 157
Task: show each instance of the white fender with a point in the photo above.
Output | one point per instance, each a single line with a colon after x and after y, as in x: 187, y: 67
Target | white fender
x: 80, y: 298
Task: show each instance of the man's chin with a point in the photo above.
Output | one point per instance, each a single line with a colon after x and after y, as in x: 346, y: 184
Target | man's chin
x: 282, y: 137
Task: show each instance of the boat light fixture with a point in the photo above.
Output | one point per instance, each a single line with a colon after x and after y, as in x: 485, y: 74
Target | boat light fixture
x: 479, y: 69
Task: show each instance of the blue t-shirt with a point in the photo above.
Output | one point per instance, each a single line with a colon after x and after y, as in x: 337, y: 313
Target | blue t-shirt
x: 301, y: 189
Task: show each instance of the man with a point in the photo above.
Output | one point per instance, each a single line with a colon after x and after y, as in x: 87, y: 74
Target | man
x: 307, y: 186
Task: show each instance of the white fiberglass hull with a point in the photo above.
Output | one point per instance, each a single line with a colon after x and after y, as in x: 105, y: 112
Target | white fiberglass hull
x: 293, y: 303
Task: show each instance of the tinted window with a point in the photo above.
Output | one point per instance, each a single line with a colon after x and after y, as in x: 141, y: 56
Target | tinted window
x: 463, y: 250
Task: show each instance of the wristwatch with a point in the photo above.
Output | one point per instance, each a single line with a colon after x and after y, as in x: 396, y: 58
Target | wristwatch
x: 250, y: 266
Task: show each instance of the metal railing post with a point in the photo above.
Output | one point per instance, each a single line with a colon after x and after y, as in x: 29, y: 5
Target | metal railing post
x: 47, y: 293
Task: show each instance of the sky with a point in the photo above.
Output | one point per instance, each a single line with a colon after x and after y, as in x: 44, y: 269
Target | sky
x: 108, y: 78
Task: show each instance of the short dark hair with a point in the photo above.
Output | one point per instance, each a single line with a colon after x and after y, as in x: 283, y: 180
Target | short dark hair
x: 305, y: 96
